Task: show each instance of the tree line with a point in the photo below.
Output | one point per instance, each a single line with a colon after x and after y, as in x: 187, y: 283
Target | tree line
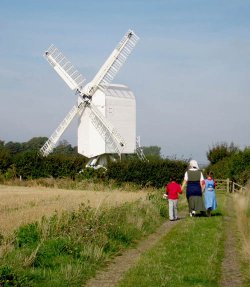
x: 22, y: 160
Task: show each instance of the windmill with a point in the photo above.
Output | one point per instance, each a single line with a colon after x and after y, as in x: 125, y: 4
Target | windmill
x: 106, y: 112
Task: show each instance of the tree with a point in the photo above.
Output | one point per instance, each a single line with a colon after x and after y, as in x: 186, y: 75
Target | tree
x: 14, y: 147
x: 152, y: 152
x: 5, y: 158
x: 34, y: 144
x: 30, y: 165
x: 220, y: 151
x: 64, y: 147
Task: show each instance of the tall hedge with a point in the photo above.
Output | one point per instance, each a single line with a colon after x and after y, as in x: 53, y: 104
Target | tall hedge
x: 154, y: 173
x: 32, y: 165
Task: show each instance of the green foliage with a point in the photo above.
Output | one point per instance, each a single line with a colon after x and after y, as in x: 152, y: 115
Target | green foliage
x: 64, y: 148
x: 5, y: 159
x: 152, y: 152
x: 23, y: 159
x: 26, y: 235
x: 30, y: 165
x: 66, y: 250
x: 7, y: 277
x: 62, y: 165
x: 220, y: 151
x: 11, y: 172
x: 33, y: 144
x: 156, y: 199
x: 14, y: 147
x: 52, y: 251
x: 154, y: 173
x: 235, y: 167
x: 91, y: 173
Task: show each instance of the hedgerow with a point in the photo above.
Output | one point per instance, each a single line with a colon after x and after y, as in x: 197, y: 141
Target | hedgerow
x: 154, y: 173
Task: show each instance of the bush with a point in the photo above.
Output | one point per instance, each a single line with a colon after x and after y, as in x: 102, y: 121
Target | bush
x: 220, y: 151
x: 154, y: 173
x: 235, y: 167
x: 7, y: 277
x: 27, y: 235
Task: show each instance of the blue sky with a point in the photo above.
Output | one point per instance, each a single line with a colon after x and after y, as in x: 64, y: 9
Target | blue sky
x: 189, y: 72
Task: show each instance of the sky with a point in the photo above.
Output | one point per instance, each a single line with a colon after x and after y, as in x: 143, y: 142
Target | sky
x: 189, y: 71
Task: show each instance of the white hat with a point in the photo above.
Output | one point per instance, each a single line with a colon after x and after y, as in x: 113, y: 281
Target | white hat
x: 193, y: 164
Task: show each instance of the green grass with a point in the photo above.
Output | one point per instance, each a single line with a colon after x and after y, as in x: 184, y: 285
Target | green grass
x: 189, y: 255
x: 67, y: 250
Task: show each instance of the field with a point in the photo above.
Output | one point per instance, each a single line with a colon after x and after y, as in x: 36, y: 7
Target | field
x: 69, y: 250
x: 20, y: 205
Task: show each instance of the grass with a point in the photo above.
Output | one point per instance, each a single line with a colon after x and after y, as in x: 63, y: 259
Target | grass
x: 66, y: 249
x: 189, y: 255
x: 242, y: 206
x: 23, y: 204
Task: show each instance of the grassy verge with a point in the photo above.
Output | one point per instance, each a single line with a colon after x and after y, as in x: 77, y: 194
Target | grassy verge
x: 189, y: 255
x: 242, y: 207
x: 67, y: 249
x: 21, y: 205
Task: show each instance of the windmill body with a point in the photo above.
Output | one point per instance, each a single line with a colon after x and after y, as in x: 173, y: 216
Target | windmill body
x: 107, y: 113
x: 118, y: 106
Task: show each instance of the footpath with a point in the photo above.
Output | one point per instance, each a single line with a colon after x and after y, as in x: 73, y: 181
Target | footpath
x: 231, y: 273
x: 121, y: 264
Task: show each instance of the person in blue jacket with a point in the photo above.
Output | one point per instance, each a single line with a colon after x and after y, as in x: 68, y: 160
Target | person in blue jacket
x: 209, y: 194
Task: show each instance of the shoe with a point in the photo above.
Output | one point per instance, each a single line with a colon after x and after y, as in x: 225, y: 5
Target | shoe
x: 172, y: 219
x: 209, y: 212
x: 193, y: 212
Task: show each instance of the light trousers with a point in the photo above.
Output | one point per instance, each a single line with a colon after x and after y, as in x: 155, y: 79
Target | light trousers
x: 172, y: 208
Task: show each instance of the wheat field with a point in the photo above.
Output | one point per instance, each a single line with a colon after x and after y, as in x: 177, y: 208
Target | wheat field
x: 21, y: 205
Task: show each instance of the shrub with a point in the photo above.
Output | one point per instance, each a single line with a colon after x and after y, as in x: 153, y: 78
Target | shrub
x: 220, y: 151
x: 154, y: 173
x: 235, y: 167
x: 27, y: 235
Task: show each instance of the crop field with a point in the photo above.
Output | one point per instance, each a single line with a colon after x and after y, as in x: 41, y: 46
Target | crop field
x: 20, y: 205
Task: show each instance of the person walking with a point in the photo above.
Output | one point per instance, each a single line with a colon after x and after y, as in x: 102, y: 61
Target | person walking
x: 209, y: 194
x: 194, y: 180
x: 173, y: 189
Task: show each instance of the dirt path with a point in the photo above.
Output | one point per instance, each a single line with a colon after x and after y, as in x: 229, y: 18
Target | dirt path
x: 114, y: 272
x: 231, y: 274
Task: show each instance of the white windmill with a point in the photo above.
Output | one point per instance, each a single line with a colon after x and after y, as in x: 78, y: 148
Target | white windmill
x: 107, y: 114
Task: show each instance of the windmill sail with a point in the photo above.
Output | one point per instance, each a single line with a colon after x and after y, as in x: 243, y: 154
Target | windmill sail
x: 52, y: 141
x: 64, y: 68
x: 115, y: 61
x: 106, y: 130
x: 101, y: 81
